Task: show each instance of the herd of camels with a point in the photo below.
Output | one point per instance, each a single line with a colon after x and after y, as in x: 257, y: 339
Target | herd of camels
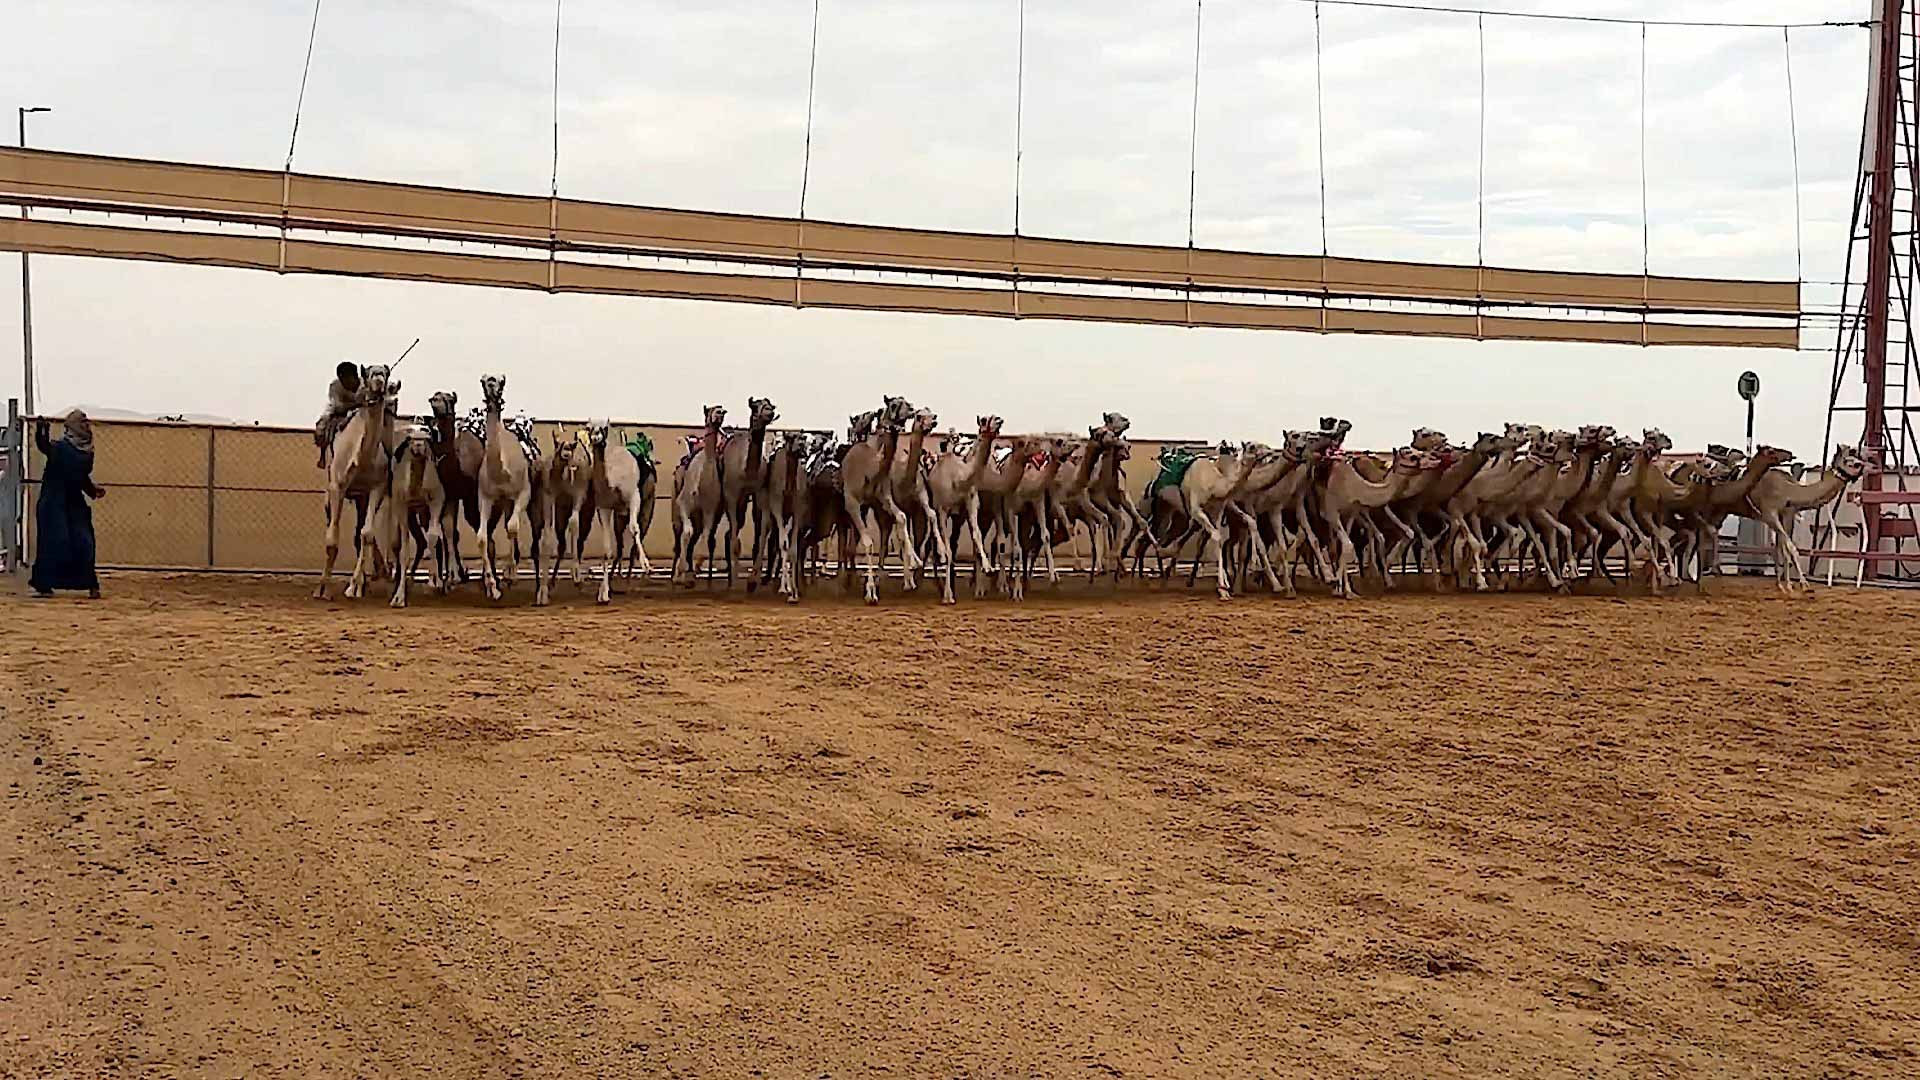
x: 1522, y: 505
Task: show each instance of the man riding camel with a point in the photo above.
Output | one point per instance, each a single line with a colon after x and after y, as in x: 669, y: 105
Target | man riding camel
x: 343, y: 396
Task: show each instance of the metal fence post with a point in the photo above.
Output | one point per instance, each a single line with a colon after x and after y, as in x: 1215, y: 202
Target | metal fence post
x: 213, y: 436
x: 13, y: 464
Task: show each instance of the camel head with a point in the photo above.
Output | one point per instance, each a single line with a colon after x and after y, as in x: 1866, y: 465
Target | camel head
x: 567, y: 456
x: 1487, y: 444
x: 898, y: 410
x: 443, y: 403
x: 1593, y: 436
x: 1411, y: 459
x: 989, y: 426
x: 1335, y: 430
x: 1654, y: 441
x: 1849, y: 462
x: 1528, y: 435
x: 493, y: 391
x: 373, y: 382
x: 794, y: 443
x: 1297, y: 446
x: 713, y: 416
x: 1561, y: 445
x: 598, y: 433
x: 1428, y: 439
x: 924, y: 421
x: 760, y: 413
x: 1766, y: 457
x: 860, y: 426
x: 1122, y: 450
x: 1114, y: 424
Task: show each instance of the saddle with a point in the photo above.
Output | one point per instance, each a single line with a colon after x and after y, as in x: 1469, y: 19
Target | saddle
x: 1174, y: 463
x: 641, y: 447
x: 694, y: 442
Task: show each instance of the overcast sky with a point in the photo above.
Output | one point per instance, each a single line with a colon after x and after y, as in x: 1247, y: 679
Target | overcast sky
x: 663, y: 104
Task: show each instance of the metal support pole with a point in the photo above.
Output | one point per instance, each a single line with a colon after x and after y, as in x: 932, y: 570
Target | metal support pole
x: 13, y: 488
x: 1885, y: 95
x: 26, y: 283
x: 213, y: 437
x: 1749, y: 427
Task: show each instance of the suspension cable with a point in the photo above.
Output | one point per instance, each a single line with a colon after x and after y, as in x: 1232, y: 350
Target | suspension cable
x: 1793, y: 138
x: 554, y: 188
x: 806, y: 154
x: 300, y: 101
x: 1320, y: 137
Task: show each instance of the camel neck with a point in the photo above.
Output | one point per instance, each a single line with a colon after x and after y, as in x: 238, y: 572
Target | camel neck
x: 981, y: 459
x: 756, y: 446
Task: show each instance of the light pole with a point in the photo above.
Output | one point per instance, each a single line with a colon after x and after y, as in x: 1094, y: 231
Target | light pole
x: 26, y: 283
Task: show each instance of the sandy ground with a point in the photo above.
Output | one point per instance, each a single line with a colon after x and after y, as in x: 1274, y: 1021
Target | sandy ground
x: 251, y: 834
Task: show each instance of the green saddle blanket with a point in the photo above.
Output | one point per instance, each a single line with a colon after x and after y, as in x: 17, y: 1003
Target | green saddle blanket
x: 1174, y: 463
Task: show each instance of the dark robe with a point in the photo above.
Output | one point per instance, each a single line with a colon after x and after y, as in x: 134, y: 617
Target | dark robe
x: 63, y: 540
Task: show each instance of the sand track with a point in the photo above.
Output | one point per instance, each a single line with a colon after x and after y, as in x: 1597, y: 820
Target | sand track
x: 247, y: 833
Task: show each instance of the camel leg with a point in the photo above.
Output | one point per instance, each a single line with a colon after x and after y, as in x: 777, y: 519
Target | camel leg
x: 1554, y: 580
x: 603, y: 518
x: 369, y: 539
x: 936, y: 524
x: 1212, y: 532
x: 518, y: 526
x: 870, y: 552
x: 1342, y: 543
x: 402, y: 573
x: 330, y: 537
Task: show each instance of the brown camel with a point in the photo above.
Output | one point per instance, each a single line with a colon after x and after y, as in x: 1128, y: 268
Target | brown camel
x: 866, y: 487
x: 457, y: 456
x: 1778, y: 498
x: 741, y: 465
x: 358, y: 469
x: 697, y: 499
x: 953, y: 488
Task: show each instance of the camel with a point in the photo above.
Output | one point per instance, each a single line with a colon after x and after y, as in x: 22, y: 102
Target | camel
x: 1777, y: 498
x: 741, y: 465
x: 458, y: 455
x: 1547, y: 513
x: 1347, y: 497
x: 418, y: 500
x: 1589, y: 514
x: 640, y: 449
x: 1498, y: 479
x: 1431, y: 502
x: 820, y: 509
x: 1268, y: 501
x: 993, y: 490
x: 1209, y: 484
x: 506, y: 490
x: 358, y: 468
x: 1701, y: 521
x: 1068, y: 502
x: 953, y: 489
x: 777, y: 505
x: 697, y: 496
x: 1511, y: 510
x: 1107, y: 498
x: 910, y: 494
x: 1380, y: 553
x: 613, y: 497
x: 569, y: 506
x: 1029, y: 496
x: 866, y: 486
